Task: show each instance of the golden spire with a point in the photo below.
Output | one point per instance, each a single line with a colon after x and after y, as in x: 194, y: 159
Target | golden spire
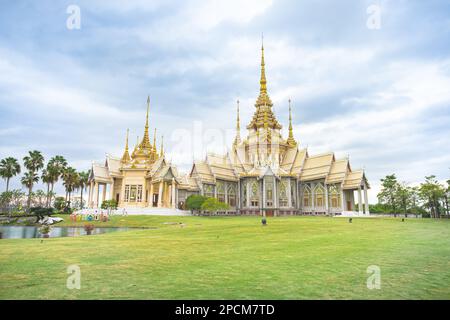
x: 136, y: 148
x: 126, y: 154
x: 262, y: 81
x: 146, y: 140
x: 154, y: 142
x: 263, y: 102
x: 290, y: 141
x: 238, y: 126
x: 162, y: 147
x: 266, y: 120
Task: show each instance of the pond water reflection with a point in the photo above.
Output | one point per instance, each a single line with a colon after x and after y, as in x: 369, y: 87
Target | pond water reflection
x: 21, y: 232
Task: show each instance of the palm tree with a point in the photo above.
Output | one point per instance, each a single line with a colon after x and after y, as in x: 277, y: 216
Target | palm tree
x: 9, y: 167
x: 33, y: 162
x: 28, y: 180
x: 70, y: 178
x: 83, y: 183
x: 56, y: 165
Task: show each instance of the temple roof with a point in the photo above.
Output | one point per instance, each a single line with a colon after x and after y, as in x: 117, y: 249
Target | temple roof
x: 316, y: 167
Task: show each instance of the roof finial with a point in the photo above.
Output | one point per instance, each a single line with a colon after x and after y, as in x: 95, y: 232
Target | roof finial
x: 262, y: 81
x: 146, y: 140
x: 238, y: 126
x: 291, y: 141
x: 154, y: 143
x: 162, y: 147
x: 126, y: 154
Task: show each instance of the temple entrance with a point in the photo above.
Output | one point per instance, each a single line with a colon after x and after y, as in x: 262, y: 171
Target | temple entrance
x: 269, y: 213
x: 349, y: 206
x: 155, y: 199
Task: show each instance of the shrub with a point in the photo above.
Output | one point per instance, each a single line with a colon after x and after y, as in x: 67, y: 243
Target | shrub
x: 194, y: 202
x: 88, y: 227
x: 45, y: 229
x: 109, y: 204
x: 214, y: 205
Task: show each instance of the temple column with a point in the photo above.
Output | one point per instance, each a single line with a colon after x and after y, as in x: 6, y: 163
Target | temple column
x: 366, y: 201
x: 151, y: 195
x: 275, y: 195
x: 95, y: 198
x: 326, y: 198
x: 360, y: 206
x: 104, y: 192
x: 91, y: 188
x: 343, y: 200
x: 111, y: 190
x: 261, y: 198
x: 173, y: 193
x: 248, y: 194
x: 160, y: 194
x: 264, y: 196
x: 238, y: 196
x: 289, y: 194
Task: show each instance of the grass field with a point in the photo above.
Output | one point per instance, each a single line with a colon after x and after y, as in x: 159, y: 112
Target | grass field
x: 235, y: 258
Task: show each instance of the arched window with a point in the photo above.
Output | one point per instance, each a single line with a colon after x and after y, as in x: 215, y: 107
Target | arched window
x: 208, y: 190
x: 220, y: 191
x: 283, y: 193
x: 319, y: 196
x: 293, y: 192
x: 244, y: 193
x: 231, y: 194
x: 334, y: 195
x: 254, y: 194
x: 307, y: 197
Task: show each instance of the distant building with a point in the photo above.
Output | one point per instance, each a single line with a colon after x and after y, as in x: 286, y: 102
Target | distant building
x: 263, y: 174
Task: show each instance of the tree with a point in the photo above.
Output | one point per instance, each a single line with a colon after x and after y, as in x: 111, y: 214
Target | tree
x: 11, y: 200
x: 39, y: 197
x: 83, y: 182
x: 70, y: 181
x: 56, y: 165
x: 404, y: 194
x: 59, y: 203
x: 446, y: 196
x: 49, y: 176
x: 432, y: 193
x: 194, y: 202
x: 389, y: 192
x: 9, y: 167
x: 33, y: 162
x: 214, y: 205
x: 28, y: 180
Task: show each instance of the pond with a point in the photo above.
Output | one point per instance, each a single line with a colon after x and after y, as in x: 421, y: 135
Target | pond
x: 22, y: 232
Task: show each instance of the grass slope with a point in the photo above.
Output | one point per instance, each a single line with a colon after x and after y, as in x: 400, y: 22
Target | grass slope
x: 235, y: 258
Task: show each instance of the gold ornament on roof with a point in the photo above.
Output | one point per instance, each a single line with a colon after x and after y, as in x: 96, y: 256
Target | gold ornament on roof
x: 291, y: 141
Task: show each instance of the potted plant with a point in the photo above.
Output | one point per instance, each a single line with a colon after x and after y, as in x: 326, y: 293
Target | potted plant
x: 88, y: 227
x: 45, y: 230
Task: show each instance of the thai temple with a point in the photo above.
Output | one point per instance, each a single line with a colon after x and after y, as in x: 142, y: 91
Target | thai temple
x: 262, y: 174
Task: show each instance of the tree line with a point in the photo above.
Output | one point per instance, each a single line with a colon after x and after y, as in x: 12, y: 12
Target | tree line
x: 37, y: 170
x: 430, y: 198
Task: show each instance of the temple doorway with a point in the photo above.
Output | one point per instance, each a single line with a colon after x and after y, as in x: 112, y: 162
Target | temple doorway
x: 155, y: 200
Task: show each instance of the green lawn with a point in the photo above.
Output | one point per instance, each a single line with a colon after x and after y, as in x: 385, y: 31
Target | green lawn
x: 235, y: 258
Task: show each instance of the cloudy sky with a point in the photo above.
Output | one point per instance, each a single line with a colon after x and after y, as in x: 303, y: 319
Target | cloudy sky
x: 380, y: 95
